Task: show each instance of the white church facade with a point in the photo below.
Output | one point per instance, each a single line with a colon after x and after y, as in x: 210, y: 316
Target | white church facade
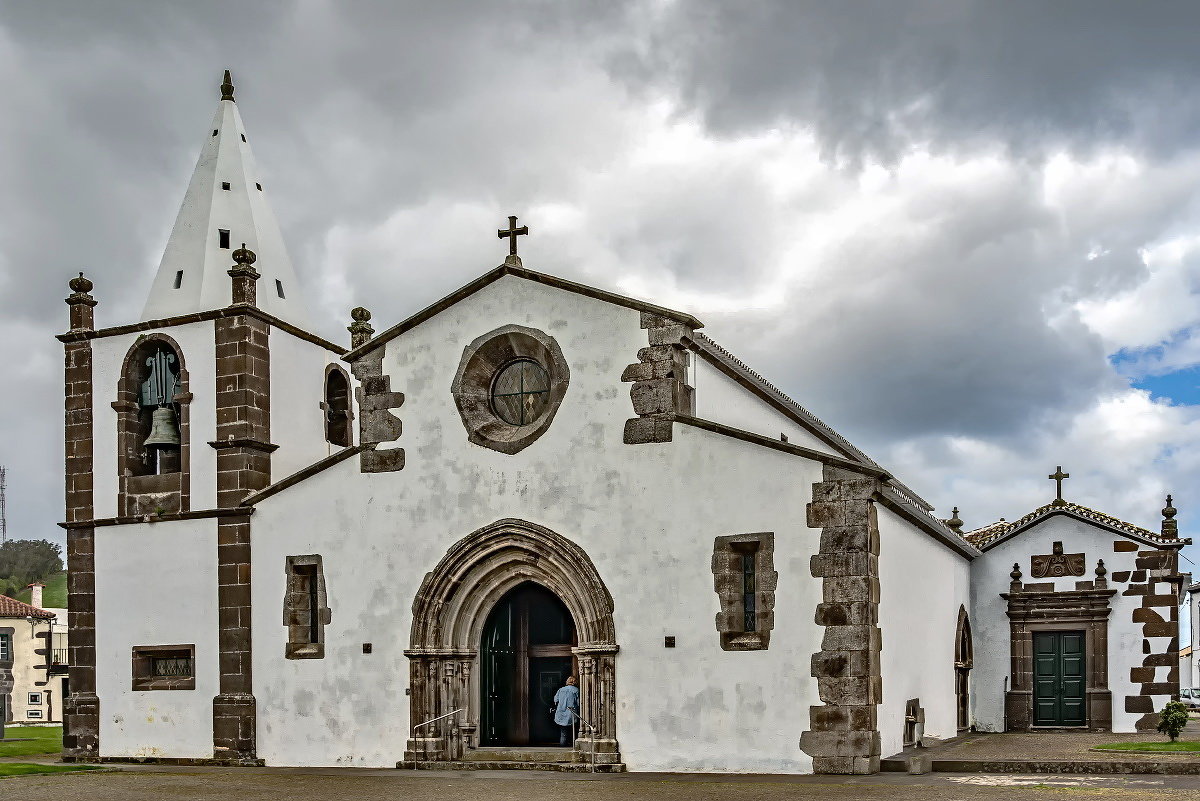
x: 395, y: 552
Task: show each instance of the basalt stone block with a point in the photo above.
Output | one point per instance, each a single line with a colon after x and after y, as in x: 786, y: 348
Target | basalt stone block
x: 381, y: 461
x: 1146, y: 615
x: 640, y: 430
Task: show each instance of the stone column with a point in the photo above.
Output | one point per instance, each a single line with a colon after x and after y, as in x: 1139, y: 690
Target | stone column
x: 843, y: 737
x: 81, y: 709
x: 243, y: 383
x: 598, y: 702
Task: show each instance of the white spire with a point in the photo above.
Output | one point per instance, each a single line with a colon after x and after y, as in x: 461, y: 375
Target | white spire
x: 193, y: 275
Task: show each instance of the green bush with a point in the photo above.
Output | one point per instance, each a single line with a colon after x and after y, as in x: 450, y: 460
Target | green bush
x: 1172, y: 719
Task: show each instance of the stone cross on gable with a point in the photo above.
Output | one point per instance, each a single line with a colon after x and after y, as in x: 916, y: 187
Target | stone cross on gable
x: 512, y: 233
x: 1057, y: 476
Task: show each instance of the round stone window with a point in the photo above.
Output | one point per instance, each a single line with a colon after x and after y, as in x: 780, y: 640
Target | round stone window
x: 521, y: 392
x: 509, y: 386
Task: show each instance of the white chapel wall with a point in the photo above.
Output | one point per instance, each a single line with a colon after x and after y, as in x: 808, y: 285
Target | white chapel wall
x: 156, y: 585
x: 646, y: 515
x: 922, y: 585
x: 990, y: 577
x: 721, y: 399
x: 297, y: 390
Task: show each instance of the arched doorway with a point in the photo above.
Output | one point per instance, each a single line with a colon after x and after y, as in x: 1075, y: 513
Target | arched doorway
x: 525, y: 655
x: 464, y: 596
x: 963, y: 660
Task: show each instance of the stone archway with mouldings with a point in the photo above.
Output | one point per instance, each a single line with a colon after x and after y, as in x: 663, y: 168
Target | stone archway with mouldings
x: 449, y: 614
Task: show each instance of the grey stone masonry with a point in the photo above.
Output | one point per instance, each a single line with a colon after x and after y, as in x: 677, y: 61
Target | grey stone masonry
x: 376, y: 422
x: 660, y: 388
x: 843, y: 735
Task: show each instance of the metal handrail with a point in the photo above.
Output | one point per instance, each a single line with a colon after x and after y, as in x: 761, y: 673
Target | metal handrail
x: 439, y: 717
x: 592, y: 730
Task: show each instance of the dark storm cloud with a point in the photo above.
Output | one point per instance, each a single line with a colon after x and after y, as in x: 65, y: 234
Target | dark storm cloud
x: 876, y: 75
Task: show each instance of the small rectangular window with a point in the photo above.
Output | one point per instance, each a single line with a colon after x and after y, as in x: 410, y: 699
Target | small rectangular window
x: 5, y: 647
x: 225, y: 185
x: 749, y: 605
x: 224, y: 238
x: 259, y: 187
x: 305, y: 608
x: 164, y: 667
x: 214, y: 131
x: 745, y: 579
x: 33, y: 714
x: 34, y: 699
x: 279, y: 287
x: 178, y: 279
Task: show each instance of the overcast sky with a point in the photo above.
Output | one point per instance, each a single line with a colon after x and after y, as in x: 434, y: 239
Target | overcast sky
x: 965, y: 234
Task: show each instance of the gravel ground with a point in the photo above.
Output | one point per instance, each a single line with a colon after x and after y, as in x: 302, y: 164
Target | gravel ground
x: 221, y: 784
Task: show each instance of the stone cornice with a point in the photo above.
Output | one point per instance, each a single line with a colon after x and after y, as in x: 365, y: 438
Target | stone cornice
x: 233, y: 511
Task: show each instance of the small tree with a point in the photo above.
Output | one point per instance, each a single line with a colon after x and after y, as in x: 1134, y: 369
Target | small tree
x: 1172, y: 719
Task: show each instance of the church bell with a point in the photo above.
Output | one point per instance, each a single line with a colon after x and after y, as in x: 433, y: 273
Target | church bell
x: 164, y: 430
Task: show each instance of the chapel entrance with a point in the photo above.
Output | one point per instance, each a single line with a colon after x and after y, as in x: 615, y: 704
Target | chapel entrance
x: 525, y: 656
x: 1059, y: 682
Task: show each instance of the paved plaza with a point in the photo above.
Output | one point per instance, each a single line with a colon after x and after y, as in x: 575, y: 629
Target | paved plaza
x: 146, y: 783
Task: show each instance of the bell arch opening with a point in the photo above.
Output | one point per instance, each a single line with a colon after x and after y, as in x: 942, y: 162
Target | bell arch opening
x: 153, y: 428
x: 509, y: 569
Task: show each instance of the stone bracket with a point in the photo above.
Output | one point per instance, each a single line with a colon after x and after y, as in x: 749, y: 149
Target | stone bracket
x: 376, y: 422
x: 660, y: 382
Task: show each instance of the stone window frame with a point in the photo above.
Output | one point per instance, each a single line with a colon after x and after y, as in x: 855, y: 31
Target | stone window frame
x: 1031, y: 612
x: 327, y: 407
x: 171, y: 492
x: 481, y: 361
x: 727, y: 569
x: 143, y: 667
x: 298, y: 615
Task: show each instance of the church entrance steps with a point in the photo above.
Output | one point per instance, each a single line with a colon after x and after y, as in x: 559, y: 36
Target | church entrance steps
x: 520, y: 754
x: 545, y: 758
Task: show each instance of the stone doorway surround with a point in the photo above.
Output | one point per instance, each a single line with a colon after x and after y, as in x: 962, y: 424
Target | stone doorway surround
x: 1032, y: 610
x: 449, y: 614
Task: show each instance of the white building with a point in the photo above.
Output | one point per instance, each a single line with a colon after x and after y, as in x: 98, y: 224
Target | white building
x: 395, y: 553
x: 33, y: 682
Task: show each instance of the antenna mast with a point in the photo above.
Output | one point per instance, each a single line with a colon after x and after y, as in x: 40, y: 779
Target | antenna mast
x: 3, y: 507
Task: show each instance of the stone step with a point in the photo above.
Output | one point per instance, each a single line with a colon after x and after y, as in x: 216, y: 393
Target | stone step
x: 520, y: 754
x: 479, y: 764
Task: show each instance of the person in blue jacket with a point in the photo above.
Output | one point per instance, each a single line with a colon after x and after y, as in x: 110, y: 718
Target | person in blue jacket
x: 566, y: 709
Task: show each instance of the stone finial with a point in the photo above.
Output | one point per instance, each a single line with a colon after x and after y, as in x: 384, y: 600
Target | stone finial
x: 1170, y: 526
x: 360, y: 330
x: 227, y: 87
x: 955, y: 522
x: 1101, y: 574
x: 82, y: 304
x: 244, y: 276
x: 1015, y: 575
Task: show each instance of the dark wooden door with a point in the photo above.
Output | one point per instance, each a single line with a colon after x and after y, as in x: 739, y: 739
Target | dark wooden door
x: 525, y: 657
x: 1059, y: 683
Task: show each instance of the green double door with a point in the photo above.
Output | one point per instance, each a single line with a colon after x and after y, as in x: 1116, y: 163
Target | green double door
x: 1059, y: 681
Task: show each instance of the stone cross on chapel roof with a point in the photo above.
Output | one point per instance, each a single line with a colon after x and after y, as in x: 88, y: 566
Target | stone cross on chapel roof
x: 512, y: 233
x: 1057, y: 476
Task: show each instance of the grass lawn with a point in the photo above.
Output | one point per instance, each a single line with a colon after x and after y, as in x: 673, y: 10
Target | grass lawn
x: 26, y: 768
x: 1175, y: 747
x: 55, y: 594
x: 39, y: 740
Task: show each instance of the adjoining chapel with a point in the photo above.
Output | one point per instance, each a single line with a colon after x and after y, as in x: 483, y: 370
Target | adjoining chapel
x: 393, y: 553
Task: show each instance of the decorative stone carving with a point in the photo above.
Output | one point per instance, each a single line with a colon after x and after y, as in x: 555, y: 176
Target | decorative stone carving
x: 449, y: 614
x: 729, y: 582
x: 1057, y: 564
x: 376, y: 422
x: 481, y: 361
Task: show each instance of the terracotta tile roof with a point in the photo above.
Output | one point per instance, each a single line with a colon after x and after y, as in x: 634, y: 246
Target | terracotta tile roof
x: 11, y: 607
x: 986, y: 536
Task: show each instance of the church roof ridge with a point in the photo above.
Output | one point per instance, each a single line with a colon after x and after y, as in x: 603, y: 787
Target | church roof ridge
x: 512, y: 266
x: 801, y: 414
x: 224, y: 206
x: 993, y: 534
